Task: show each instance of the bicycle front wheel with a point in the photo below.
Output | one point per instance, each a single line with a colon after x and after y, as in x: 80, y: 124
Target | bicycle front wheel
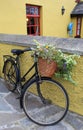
x: 45, y: 103
x: 10, y: 74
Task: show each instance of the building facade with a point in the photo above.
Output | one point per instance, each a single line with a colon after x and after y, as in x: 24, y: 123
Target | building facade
x: 53, y: 18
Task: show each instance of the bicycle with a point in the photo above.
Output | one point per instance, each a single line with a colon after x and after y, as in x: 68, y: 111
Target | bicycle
x: 44, y: 100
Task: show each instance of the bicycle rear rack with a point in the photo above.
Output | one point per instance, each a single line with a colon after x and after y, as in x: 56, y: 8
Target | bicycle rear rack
x: 5, y: 57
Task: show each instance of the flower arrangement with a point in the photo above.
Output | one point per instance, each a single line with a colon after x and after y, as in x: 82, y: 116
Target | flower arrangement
x: 46, y: 51
x: 65, y: 62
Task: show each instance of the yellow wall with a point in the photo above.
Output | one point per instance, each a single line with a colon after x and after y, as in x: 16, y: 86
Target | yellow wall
x: 75, y: 92
x: 12, y: 17
x: 52, y: 22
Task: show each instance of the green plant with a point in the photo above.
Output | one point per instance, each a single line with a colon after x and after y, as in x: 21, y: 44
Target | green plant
x: 65, y: 62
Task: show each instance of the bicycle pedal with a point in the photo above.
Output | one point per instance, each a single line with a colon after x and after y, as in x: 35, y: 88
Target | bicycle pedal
x: 40, y: 81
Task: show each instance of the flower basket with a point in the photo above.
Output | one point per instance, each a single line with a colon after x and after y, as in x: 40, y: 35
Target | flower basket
x: 57, y: 63
x: 46, y: 68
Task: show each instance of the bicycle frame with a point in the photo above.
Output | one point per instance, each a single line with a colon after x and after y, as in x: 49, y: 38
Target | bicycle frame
x: 25, y: 90
x: 34, y: 75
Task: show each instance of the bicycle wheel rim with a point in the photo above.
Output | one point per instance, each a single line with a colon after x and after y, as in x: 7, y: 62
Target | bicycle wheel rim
x: 51, y: 112
x: 10, y: 75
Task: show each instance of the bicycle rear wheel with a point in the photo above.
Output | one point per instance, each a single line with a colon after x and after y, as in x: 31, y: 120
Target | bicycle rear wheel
x: 46, y: 106
x: 10, y: 75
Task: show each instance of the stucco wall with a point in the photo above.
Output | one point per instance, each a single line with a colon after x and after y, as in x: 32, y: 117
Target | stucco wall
x: 12, y: 17
x: 8, y: 42
x: 52, y: 22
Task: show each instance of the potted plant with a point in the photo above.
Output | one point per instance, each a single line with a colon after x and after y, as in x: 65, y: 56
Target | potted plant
x: 62, y: 63
x: 46, y: 63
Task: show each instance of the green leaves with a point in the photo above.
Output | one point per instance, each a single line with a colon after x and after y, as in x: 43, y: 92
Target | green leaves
x: 65, y: 66
x: 65, y: 62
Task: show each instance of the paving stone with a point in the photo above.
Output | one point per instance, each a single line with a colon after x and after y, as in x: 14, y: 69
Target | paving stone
x: 75, y: 120
x: 26, y: 122
x: 15, y: 128
x: 3, y: 88
x: 8, y: 118
x: 12, y: 116
x: 54, y: 127
x: 4, y: 106
x: 2, y: 95
x: 11, y: 99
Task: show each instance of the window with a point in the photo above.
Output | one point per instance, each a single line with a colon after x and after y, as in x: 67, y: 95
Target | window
x: 33, y: 20
x: 78, y: 28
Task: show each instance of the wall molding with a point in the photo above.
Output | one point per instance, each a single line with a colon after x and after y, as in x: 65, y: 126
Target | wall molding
x: 69, y: 45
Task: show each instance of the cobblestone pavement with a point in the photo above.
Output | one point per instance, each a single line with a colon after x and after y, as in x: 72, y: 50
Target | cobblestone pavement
x: 13, y: 118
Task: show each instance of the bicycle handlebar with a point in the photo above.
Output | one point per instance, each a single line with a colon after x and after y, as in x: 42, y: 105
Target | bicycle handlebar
x: 31, y: 49
x: 27, y: 49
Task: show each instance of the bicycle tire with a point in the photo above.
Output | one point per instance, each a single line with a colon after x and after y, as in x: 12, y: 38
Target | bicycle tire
x: 10, y: 75
x: 48, y: 112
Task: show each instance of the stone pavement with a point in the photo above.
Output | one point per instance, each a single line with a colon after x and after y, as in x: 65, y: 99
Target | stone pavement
x: 13, y: 118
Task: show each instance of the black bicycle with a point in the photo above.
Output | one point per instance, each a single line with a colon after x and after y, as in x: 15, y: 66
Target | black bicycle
x: 44, y: 100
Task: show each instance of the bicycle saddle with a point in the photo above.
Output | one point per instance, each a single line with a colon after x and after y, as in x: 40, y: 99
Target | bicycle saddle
x: 17, y: 51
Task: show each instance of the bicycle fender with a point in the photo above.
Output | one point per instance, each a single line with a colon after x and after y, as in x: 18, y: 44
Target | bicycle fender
x: 5, y: 63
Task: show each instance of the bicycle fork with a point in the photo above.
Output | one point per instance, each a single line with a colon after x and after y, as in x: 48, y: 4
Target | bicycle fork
x: 43, y: 99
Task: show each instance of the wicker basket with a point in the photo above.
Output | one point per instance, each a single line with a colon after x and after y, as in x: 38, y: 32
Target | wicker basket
x: 46, y: 68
